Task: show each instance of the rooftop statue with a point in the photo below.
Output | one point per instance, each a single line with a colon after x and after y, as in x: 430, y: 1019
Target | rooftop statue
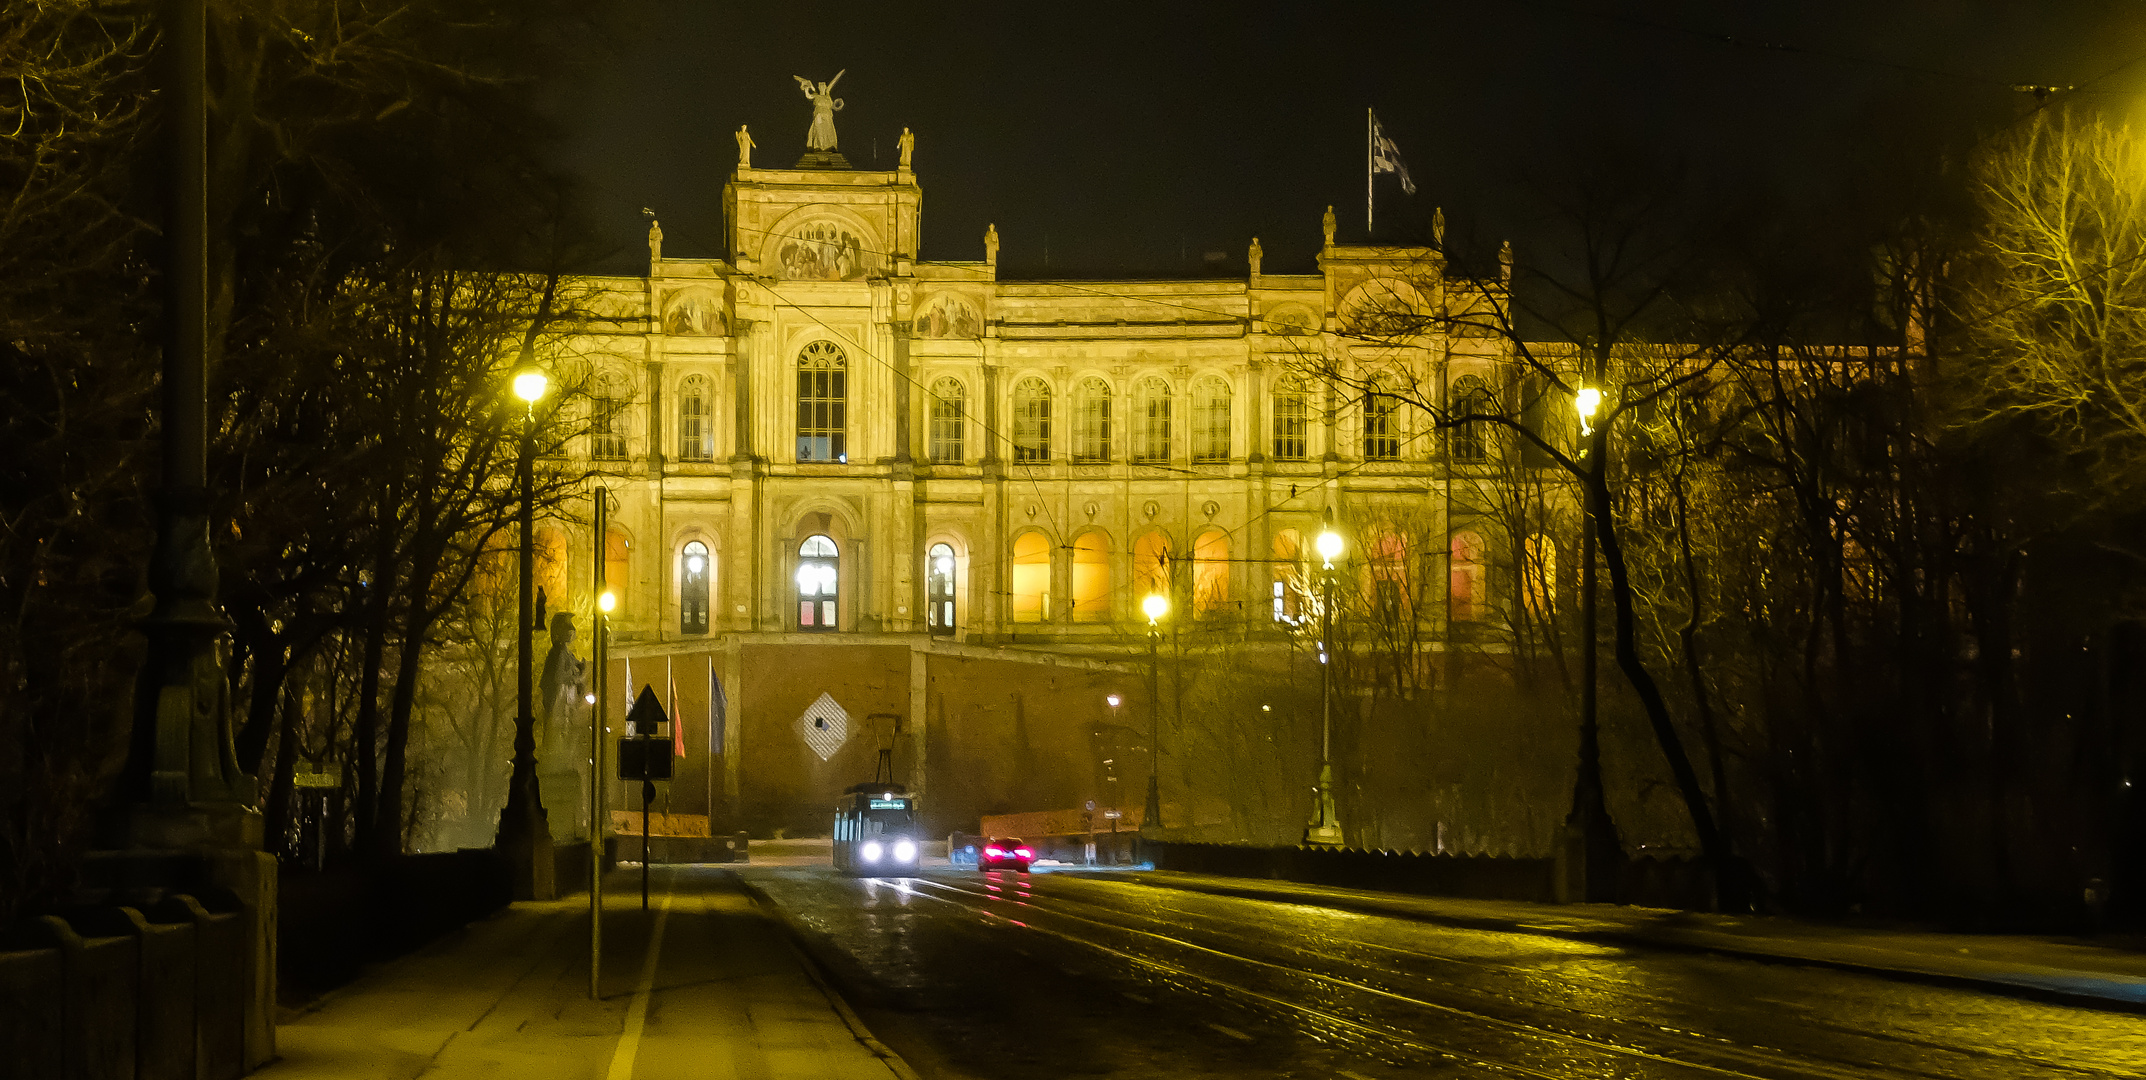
x: 824, y: 107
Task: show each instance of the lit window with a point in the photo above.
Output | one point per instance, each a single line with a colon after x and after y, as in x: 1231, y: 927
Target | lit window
x: 818, y: 584
x: 1468, y: 596
x: 939, y: 589
x: 1031, y: 578
x: 948, y: 400
x: 1210, y: 420
x: 618, y: 568
x: 822, y: 399
x: 1091, y: 577
x: 1091, y: 430
x: 1287, y: 589
x: 1210, y: 573
x: 693, y: 567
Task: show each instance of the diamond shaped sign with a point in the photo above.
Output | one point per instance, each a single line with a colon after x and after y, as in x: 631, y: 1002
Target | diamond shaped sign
x: 824, y: 726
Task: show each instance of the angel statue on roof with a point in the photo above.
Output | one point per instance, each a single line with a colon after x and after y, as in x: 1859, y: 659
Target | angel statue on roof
x: 824, y: 107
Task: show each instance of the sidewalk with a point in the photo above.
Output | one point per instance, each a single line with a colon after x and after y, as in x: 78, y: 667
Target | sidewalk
x: 2069, y: 972
x: 723, y: 994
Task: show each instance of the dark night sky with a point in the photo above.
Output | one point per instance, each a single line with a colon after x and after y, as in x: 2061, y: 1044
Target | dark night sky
x: 1134, y: 137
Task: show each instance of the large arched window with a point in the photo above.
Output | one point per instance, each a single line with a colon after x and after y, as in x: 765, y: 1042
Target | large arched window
x: 822, y: 403
x: 1154, y: 435
x: 1382, y: 422
x: 618, y: 567
x: 949, y: 400
x: 1287, y: 586
x: 1091, y: 577
x: 1210, y: 420
x: 549, y: 557
x: 693, y: 571
x: 939, y: 589
x: 1151, y: 564
x: 1470, y: 398
x: 1468, y: 596
x: 1031, y: 578
x: 607, y: 419
x: 819, y: 580
x: 696, y: 432
x: 1289, y: 421
x: 1031, y: 420
x: 1210, y: 573
x: 1091, y: 427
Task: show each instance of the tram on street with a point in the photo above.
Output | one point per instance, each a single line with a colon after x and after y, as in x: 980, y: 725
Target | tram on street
x: 876, y: 830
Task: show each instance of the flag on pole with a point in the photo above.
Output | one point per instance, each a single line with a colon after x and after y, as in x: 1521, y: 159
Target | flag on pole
x: 1386, y: 157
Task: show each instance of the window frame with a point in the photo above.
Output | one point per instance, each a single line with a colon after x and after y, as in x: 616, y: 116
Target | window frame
x: 940, y: 567
x: 1153, y: 405
x: 693, y: 587
x: 1031, y: 420
x: 1211, y: 442
x: 822, y: 403
x: 946, y: 439
x: 1292, y: 422
x: 826, y: 588
x: 696, y: 420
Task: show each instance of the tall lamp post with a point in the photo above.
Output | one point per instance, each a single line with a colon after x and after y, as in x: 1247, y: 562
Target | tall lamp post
x: 1325, y: 827
x: 1591, y: 845
x: 1155, y: 606
x: 524, y: 835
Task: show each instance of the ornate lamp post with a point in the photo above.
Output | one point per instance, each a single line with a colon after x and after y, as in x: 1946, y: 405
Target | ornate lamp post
x: 1155, y: 606
x: 1325, y: 827
x: 524, y: 834
x: 1591, y: 846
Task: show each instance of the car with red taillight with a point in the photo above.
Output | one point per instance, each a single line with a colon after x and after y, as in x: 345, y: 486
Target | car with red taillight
x: 1005, y: 853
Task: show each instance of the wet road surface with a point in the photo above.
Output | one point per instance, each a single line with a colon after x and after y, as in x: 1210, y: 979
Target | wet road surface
x: 1004, y: 975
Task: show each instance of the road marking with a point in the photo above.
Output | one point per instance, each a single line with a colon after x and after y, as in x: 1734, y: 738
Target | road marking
x: 1230, y: 1031
x: 629, y: 1041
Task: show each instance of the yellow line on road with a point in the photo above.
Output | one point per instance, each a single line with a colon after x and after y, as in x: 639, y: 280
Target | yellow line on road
x: 629, y: 1041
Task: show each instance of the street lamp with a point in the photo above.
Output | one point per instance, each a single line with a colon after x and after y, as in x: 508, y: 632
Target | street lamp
x: 1325, y: 827
x: 1154, y: 606
x: 1591, y: 845
x: 598, y: 811
x: 524, y: 835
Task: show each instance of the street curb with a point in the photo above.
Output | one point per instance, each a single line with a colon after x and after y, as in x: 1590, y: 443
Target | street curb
x: 1984, y: 984
x: 822, y: 977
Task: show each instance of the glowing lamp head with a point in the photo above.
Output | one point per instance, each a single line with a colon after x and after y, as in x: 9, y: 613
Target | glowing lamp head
x: 607, y: 601
x: 694, y: 563
x: 1114, y: 700
x: 530, y: 384
x: 1587, y: 400
x: 1328, y: 545
x: 946, y: 565
x: 589, y: 698
x: 1155, y: 606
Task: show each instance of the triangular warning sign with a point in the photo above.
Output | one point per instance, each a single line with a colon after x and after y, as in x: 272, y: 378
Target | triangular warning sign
x: 646, y: 713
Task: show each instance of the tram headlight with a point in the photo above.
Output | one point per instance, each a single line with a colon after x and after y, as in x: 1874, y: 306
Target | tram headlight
x: 871, y: 851
x: 905, y: 850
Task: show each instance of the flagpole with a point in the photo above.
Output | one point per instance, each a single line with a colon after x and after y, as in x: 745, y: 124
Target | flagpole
x: 1370, y: 155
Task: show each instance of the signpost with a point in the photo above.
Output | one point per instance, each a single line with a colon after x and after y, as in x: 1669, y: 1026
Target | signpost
x: 645, y: 755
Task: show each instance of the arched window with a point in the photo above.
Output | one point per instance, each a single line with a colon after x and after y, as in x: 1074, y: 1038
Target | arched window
x: 1468, y: 596
x: 1151, y: 565
x: 1031, y: 420
x: 1031, y: 578
x: 618, y: 568
x: 1210, y: 420
x: 1470, y: 398
x: 1540, y: 572
x: 939, y: 589
x: 696, y: 432
x: 693, y: 570
x: 949, y: 399
x: 1382, y: 423
x: 1091, y: 577
x: 819, y: 574
x: 1289, y: 421
x: 607, y: 419
x: 822, y: 402
x: 1287, y: 571
x: 1154, y: 406
x: 1210, y: 573
x: 1091, y: 428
